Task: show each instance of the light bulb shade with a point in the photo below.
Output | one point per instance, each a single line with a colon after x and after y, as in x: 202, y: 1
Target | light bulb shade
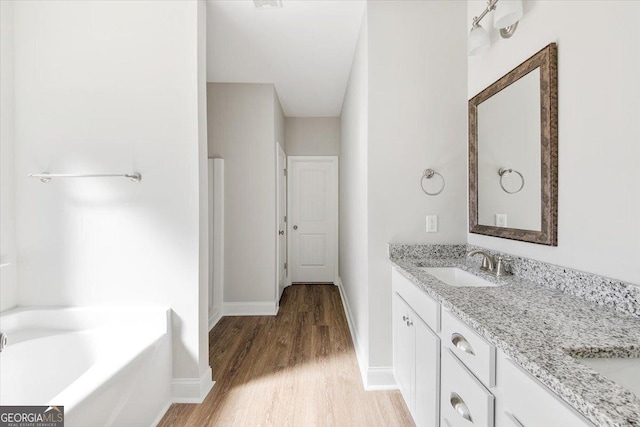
x: 507, y: 13
x: 478, y: 40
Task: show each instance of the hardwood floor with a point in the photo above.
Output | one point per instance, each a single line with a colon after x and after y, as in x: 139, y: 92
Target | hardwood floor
x: 295, y: 369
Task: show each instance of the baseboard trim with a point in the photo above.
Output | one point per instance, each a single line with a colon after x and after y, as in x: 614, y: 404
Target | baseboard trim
x: 360, y: 355
x: 381, y: 379
x: 190, y: 390
x: 249, y: 309
x: 373, y: 378
x: 214, y: 318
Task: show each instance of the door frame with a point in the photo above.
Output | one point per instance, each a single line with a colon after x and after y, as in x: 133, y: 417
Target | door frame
x: 279, y: 150
x: 335, y: 195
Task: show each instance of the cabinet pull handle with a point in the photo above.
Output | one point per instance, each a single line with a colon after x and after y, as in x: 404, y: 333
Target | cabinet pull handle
x: 461, y: 343
x: 405, y: 318
x: 409, y: 323
x: 460, y: 407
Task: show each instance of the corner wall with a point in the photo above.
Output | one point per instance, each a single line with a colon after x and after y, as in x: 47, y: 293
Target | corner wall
x: 599, y: 129
x: 203, y: 196
x: 353, y: 248
x: 404, y: 111
x: 241, y: 131
x: 417, y: 120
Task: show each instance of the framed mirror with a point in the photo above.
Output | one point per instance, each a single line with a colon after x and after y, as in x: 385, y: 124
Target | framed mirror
x: 513, y: 153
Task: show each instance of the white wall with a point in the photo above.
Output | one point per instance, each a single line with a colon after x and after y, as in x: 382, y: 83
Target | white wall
x: 313, y: 136
x: 353, y: 248
x: 203, y: 193
x: 8, y: 279
x: 404, y: 112
x: 417, y: 116
x: 241, y: 131
x: 107, y: 87
x: 599, y: 128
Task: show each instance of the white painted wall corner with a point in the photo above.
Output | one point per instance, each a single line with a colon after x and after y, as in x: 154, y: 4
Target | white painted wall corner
x: 188, y: 390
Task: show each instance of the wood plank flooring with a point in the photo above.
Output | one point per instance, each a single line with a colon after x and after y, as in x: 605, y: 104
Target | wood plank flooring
x: 295, y: 369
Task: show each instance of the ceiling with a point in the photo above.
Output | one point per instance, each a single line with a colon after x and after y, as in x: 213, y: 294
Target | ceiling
x: 305, y: 49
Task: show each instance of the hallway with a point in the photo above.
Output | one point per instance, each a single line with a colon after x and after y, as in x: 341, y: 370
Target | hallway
x: 295, y: 369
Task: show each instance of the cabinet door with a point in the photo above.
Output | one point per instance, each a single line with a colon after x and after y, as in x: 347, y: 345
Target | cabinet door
x: 404, y: 349
x: 427, y: 377
x: 523, y: 401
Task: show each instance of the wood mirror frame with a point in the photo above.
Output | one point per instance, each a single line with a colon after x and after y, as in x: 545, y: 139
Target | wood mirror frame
x: 546, y: 60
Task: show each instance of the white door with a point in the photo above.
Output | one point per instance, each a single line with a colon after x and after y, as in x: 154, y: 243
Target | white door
x: 313, y: 218
x: 281, y: 226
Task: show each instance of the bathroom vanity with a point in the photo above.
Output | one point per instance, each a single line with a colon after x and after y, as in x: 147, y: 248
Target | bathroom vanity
x: 511, y: 351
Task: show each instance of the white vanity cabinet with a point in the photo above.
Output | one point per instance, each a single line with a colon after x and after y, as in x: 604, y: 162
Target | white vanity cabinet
x: 416, y: 355
x: 521, y: 400
x: 451, y: 376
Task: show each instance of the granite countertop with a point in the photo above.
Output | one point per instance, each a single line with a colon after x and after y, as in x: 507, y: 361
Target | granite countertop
x: 540, y: 327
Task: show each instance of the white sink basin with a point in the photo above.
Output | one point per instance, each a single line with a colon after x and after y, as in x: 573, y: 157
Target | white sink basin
x: 622, y: 371
x: 453, y: 276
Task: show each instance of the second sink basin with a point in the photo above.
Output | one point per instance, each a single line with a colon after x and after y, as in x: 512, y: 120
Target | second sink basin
x: 453, y: 276
x: 623, y: 371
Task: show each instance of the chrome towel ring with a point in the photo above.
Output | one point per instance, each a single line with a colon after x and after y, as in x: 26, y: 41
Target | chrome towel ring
x: 428, y: 174
x: 503, y: 172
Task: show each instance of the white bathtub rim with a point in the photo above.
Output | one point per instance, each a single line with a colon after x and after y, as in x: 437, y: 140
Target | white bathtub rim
x: 183, y: 390
x: 101, y: 373
x: 133, y: 329
x: 85, y: 317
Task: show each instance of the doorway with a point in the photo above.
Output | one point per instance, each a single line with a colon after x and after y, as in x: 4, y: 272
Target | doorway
x: 313, y: 219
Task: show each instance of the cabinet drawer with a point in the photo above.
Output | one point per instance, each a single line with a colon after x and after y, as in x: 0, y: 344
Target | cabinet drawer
x: 464, y: 401
x: 424, y: 306
x: 476, y: 353
x: 524, y: 401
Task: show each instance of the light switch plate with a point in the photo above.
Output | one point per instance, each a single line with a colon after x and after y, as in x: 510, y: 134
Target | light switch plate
x: 501, y: 220
x: 432, y: 223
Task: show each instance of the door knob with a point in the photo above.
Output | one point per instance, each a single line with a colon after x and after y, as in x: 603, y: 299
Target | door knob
x: 295, y: 227
x: 281, y: 232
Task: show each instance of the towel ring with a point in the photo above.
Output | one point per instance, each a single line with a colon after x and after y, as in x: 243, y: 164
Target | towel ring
x: 428, y: 174
x: 504, y: 171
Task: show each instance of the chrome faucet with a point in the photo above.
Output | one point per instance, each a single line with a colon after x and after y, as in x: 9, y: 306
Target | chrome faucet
x: 3, y: 341
x: 495, y: 265
x: 487, y: 260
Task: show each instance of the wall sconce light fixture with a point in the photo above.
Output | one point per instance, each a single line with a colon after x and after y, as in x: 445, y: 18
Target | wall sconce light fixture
x: 505, y: 18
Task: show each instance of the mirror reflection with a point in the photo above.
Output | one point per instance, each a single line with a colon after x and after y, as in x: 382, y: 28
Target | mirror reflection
x: 509, y: 189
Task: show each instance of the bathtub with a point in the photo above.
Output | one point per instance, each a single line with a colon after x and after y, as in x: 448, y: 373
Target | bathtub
x: 107, y: 367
